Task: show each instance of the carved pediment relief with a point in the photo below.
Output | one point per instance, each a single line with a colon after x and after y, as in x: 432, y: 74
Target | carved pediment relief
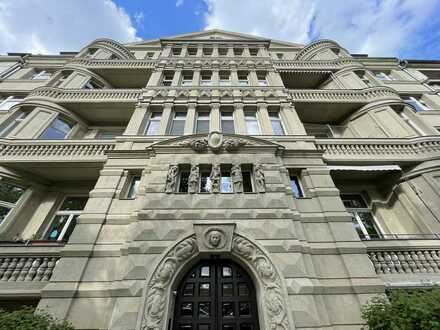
x: 217, y: 142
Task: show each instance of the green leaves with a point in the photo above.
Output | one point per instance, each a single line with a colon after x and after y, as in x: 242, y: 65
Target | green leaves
x: 412, y: 309
x: 26, y: 319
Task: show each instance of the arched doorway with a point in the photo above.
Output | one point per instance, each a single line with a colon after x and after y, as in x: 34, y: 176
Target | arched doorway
x: 216, y: 295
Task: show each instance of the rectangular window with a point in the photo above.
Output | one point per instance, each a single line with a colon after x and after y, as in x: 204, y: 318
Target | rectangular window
x: 363, y: 220
x: 178, y: 123
x: 225, y: 78
x: 65, y: 219
x: 187, y: 78
x: 246, y: 172
x: 275, y: 120
x: 418, y: 104
x: 41, y: 75
x: 93, y: 84
x: 206, y: 77
x: 57, y: 130
x: 252, y: 126
x: 134, y: 187
x: 243, y: 79
x: 205, y: 180
x: 383, y: 76
x: 183, y: 181
x: 261, y: 76
x: 202, y: 123
x: 9, y: 102
x: 108, y: 134
x: 222, y: 51
x: 253, y: 51
x: 192, y: 51
x: 176, y: 51
x: 296, y: 187
x: 238, y: 51
x: 8, y: 126
x: 226, y: 182
x: 167, y: 78
x: 153, y: 124
x: 207, y: 51
x: 9, y: 196
x: 227, y: 122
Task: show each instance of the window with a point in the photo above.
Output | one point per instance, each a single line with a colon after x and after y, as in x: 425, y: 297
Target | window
x: 222, y: 51
x: 93, y: 84
x: 150, y: 54
x: 295, y: 186
x: 246, y: 172
x: 318, y: 130
x: 238, y: 51
x: 253, y: 51
x: 64, y: 75
x: 207, y: 51
x: 227, y: 121
x: 153, y: 124
x: 383, y: 76
x: 7, y: 69
x: 225, y: 78
x: 363, y: 76
x: 41, y: 75
x: 202, y: 123
x: 9, y: 125
x: 65, y: 219
x: 243, y: 78
x: 91, y: 51
x: 275, y: 120
x: 176, y: 51
x: 262, y: 80
x: 192, y: 51
x: 205, y: 180
x: 280, y: 56
x: 108, y: 134
x: 57, y: 130
x: 252, y: 126
x: 9, y: 196
x: 362, y: 217
x: 134, y: 187
x: 226, y: 182
x: 187, y: 78
x: 418, y: 104
x: 411, y: 123
x: 9, y: 102
x: 178, y: 123
x: 167, y: 78
x: 183, y: 179
x: 206, y: 78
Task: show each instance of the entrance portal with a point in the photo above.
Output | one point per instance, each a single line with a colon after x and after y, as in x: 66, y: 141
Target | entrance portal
x: 216, y: 295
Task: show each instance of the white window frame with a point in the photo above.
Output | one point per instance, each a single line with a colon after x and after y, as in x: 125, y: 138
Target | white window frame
x: 243, y: 82
x: 232, y: 112
x: 256, y: 119
x: 205, y: 82
x: 10, y: 205
x: 278, y: 119
x: 10, y: 70
x: 177, y: 118
x: 225, y: 82
x: 9, y: 99
x: 187, y: 82
x: 263, y: 82
x: 42, y: 75
x: 208, y: 119
x: 150, y: 119
x: 419, y: 104
x: 13, y: 124
x: 166, y: 81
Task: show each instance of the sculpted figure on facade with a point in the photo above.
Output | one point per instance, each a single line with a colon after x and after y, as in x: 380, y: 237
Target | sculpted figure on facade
x: 171, y: 182
x: 260, y: 179
x: 193, y: 180
x: 215, y: 178
x: 237, y: 178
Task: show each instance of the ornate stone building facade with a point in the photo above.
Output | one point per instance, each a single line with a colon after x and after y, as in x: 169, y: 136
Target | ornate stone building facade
x: 216, y: 180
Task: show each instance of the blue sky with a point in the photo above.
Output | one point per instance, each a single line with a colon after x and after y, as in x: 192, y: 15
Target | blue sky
x: 400, y: 28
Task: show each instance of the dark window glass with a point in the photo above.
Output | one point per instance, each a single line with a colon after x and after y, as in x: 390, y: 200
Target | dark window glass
x: 3, y: 213
x: 74, y: 204
x: 204, y: 309
x: 204, y: 289
x: 228, y: 327
x: 244, y: 309
x: 189, y: 289
x: 247, y: 181
x: 183, y: 186
x: 353, y: 201
x: 186, y: 309
x: 227, y: 290
x: 134, y: 187
x: 296, y: 188
x: 10, y: 193
x: 243, y: 289
x: 228, y: 309
x: 204, y: 327
x: 57, y: 130
x: 245, y: 327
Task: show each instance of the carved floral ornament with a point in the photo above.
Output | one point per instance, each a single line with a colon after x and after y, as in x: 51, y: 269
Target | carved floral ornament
x: 216, y: 238
x: 214, y: 142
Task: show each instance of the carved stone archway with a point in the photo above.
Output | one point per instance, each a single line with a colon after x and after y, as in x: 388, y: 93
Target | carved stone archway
x: 272, y: 295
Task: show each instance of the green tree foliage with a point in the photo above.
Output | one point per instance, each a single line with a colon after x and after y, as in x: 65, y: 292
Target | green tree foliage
x: 26, y: 319
x: 415, y: 309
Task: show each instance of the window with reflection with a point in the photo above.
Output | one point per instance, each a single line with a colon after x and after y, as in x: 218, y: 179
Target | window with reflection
x: 252, y: 126
x: 64, y: 222
x: 153, y: 124
x: 178, y: 123
x: 243, y: 78
x: 296, y: 186
x: 9, y: 102
x: 262, y: 78
x: 133, y: 187
x: 12, y: 122
x: 187, y: 78
x: 227, y: 121
x: 275, y: 121
x: 58, y: 129
x: 202, y: 122
x: 9, y: 196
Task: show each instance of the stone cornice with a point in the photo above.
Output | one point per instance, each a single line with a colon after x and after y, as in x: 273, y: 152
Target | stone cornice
x: 318, y: 65
x: 112, y: 46
x: 128, y: 64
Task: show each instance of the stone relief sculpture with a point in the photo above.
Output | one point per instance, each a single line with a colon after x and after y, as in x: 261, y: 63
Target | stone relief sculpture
x: 260, y: 178
x: 171, y: 182
x: 157, y: 290
x: 215, y: 178
x: 215, y: 142
x: 193, y: 180
x: 237, y: 178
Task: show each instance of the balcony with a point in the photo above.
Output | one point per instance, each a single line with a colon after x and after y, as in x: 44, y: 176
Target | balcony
x: 119, y: 73
x: 26, y: 267
x: 97, y: 105
x: 311, y: 74
x: 383, y: 151
x: 56, y: 159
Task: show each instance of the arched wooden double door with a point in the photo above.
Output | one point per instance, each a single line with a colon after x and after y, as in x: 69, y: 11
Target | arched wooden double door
x: 216, y: 295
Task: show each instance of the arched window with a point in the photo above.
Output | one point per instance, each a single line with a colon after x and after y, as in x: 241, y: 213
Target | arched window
x: 216, y: 295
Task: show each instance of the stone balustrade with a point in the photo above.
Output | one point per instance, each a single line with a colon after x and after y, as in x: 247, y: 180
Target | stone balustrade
x: 384, y: 149
x: 406, y: 261
x: 59, y: 95
x: 356, y: 96
x: 326, y: 65
x: 55, y: 150
x: 91, y: 63
x: 24, y: 268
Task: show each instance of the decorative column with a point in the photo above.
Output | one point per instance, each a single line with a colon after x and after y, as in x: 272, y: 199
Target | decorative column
x: 263, y: 115
x: 176, y: 78
x: 234, y: 77
x: 166, y: 51
x: 190, y: 118
x: 196, y: 77
x: 240, y: 122
x: 253, y: 79
x: 214, y: 120
x: 137, y: 120
x: 291, y: 121
x: 199, y: 51
x: 246, y: 52
x: 166, y: 117
x: 155, y: 78
x: 215, y: 50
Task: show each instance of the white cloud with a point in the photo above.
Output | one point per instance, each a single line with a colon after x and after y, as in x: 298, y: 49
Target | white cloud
x: 50, y: 26
x: 381, y: 28
x: 179, y: 3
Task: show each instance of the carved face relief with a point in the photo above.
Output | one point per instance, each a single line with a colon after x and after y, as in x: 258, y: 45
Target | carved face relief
x: 215, y: 239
